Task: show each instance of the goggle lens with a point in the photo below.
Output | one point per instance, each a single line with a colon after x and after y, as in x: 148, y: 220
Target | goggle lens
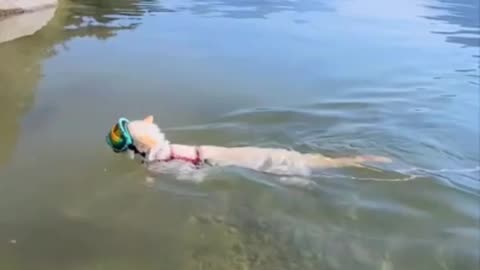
x: 117, y: 138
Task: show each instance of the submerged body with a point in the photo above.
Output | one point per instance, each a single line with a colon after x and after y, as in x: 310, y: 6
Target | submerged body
x: 159, y: 154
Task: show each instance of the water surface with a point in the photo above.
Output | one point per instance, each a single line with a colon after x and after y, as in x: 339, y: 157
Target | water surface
x: 342, y: 77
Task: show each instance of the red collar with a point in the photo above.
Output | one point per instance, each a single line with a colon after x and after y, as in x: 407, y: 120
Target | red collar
x: 195, y: 161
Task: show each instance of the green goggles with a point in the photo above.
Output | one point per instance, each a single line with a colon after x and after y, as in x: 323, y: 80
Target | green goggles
x: 119, y: 137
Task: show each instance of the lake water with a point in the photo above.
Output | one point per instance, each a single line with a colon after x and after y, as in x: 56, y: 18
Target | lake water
x: 343, y: 77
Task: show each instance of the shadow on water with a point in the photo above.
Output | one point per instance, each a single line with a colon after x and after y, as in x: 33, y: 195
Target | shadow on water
x: 24, y: 55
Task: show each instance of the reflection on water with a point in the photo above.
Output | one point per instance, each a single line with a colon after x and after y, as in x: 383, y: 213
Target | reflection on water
x: 102, y: 19
x: 20, y: 72
x: 20, y: 77
x: 464, y: 15
x: 353, y: 77
x: 253, y: 9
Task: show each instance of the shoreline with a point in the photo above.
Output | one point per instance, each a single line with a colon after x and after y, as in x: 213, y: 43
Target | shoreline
x: 20, y: 18
x: 10, y: 8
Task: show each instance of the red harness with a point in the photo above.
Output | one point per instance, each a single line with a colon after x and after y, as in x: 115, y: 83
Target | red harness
x: 195, y: 161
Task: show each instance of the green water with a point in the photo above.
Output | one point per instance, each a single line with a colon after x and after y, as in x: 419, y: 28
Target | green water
x: 341, y: 77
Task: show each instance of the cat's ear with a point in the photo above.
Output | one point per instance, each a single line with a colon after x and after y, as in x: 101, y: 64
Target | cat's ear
x: 149, y: 119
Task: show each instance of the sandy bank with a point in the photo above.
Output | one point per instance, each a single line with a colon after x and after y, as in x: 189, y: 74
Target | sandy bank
x: 11, y: 7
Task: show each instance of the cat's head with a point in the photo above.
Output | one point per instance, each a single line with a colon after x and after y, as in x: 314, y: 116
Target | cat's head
x: 142, y: 137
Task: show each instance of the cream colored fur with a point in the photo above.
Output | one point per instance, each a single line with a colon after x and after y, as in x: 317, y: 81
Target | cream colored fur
x: 149, y: 139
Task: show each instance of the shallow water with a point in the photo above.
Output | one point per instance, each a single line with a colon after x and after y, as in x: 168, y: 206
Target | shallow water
x: 341, y: 77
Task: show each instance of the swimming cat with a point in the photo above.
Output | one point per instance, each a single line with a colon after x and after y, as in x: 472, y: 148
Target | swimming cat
x: 144, y: 138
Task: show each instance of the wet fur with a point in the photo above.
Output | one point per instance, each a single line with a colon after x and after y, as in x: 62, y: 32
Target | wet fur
x: 149, y: 139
